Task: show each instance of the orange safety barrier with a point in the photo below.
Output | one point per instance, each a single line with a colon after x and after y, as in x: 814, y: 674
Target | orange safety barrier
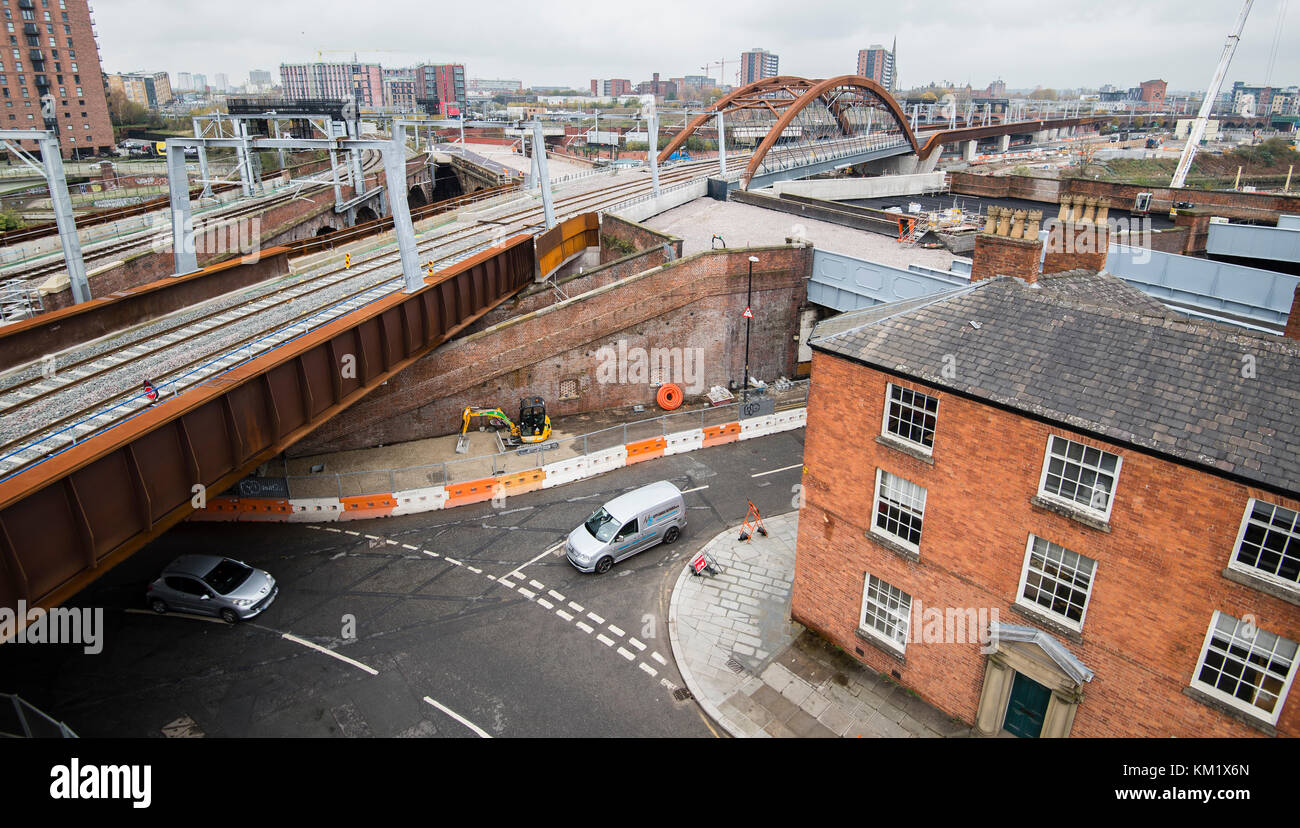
x: 645, y: 449
x: 471, y: 491
x: 669, y: 396
x: 522, y: 482
x: 375, y: 505
x: 718, y: 435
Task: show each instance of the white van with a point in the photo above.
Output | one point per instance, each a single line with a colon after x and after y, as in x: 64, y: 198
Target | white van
x: 626, y: 525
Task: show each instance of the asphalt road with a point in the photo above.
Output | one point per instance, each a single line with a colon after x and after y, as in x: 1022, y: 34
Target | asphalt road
x: 440, y: 648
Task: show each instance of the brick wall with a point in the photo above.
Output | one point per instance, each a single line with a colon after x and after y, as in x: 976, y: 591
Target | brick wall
x: 695, y: 302
x: 1005, y: 186
x: 619, y: 237
x: 1293, y: 319
x: 1005, y: 256
x: 1157, y: 582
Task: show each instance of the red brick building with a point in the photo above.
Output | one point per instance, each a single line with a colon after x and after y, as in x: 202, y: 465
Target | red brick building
x: 1051, y: 506
x: 52, y: 51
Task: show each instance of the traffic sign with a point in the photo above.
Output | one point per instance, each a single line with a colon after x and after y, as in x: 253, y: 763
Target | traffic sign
x: 749, y: 314
x: 698, y: 563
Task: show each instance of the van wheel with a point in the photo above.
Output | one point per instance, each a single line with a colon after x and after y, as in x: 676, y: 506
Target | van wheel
x: 672, y: 534
x: 158, y: 606
x: 603, y: 565
x: 229, y: 616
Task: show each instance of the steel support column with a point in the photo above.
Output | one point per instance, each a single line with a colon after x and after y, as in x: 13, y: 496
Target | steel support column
x: 178, y: 187
x: 722, y: 146
x: 539, y: 155
x: 653, y: 152
x: 395, y: 176
x: 52, y: 155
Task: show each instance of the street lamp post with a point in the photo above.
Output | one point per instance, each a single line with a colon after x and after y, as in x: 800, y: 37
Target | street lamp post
x: 749, y: 317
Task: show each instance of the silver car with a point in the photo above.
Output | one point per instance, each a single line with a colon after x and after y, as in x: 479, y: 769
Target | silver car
x: 212, y: 585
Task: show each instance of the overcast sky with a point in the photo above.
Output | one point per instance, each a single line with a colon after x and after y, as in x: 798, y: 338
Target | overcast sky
x: 1053, y: 44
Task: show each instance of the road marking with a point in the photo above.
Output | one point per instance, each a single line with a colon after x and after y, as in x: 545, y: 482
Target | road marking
x: 453, y: 561
x: 564, y: 615
x: 636, y: 643
x: 617, y: 631
x: 545, y: 604
x: 527, y: 593
x: 652, y: 671
x: 587, y: 628
x: 623, y: 651
x: 594, y: 617
x: 575, y: 606
x: 431, y: 554
x: 474, y: 569
x: 557, y: 596
x: 606, y: 640
x: 412, y: 548
x: 659, y: 658
x: 520, y: 569
x: 696, y: 489
x: 536, y: 584
x: 295, y: 639
x: 503, y: 582
x: 480, y: 731
x: 774, y: 471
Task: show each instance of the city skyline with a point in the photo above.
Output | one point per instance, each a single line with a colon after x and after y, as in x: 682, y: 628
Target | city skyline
x: 953, y: 37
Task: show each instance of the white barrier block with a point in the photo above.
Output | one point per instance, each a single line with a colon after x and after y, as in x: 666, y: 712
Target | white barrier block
x: 414, y: 501
x: 315, y: 510
x: 565, y: 471
x: 757, y: 426
x: 599, y: 462
x: 683, y: 441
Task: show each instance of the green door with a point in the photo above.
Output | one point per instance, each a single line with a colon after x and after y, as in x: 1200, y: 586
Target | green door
x: 1027, y: 707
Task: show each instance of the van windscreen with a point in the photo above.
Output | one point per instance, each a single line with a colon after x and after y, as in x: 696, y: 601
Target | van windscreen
x: 602, y: 525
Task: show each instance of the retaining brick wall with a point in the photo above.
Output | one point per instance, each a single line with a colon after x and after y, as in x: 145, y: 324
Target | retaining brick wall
x: 696, y: 302
x: 1157, y: 584
x: 619, y: 237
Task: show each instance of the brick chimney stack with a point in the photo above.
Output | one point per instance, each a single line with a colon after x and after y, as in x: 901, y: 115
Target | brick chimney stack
x: 1079, y: 238
x: 1008, y: 246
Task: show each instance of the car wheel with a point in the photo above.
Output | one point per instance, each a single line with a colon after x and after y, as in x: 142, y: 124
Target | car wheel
x: 229, y: 616
x: 672, y: 534
x: 158, y: 606
x: 603, y: 565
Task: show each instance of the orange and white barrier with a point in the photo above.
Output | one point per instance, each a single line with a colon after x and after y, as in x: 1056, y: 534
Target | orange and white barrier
x: 433, y: 498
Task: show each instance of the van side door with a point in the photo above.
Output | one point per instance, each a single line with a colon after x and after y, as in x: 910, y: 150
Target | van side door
x: 628, y: 540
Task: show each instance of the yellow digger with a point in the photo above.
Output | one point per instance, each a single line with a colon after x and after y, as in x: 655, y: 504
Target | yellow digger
x: 533, y: 425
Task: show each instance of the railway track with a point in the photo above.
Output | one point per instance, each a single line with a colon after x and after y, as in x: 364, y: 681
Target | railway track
x: 176, y: 355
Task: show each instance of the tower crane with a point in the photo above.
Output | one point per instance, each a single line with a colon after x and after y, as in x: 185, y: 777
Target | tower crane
x: 1195, y: 134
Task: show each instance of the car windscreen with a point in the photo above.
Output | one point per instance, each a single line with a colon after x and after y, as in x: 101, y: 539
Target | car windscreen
x: 227, y: 575
x: 602, y: 525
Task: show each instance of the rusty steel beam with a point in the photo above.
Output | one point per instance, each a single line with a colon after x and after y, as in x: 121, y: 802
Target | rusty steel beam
x: 948, y: 136
x: 67, y: 520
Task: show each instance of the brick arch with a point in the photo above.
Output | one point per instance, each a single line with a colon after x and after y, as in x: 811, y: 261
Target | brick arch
x: 802, y: 92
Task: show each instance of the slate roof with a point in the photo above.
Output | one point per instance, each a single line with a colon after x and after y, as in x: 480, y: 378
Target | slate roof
x: 1091, y: 356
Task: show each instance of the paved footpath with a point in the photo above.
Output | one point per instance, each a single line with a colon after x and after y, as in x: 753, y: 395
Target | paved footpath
x: 757, y: 673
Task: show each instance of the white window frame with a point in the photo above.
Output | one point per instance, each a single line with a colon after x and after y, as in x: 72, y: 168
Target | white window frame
x: 1048, y: 612
x: 1231, y: 700
x: 875, y: 510
x: 904, y: 620
x: 1290, y: 586
x: 1074, y: 504
x: 884, y: 418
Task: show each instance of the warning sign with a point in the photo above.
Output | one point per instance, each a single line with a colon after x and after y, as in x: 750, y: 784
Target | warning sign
x: 698, y: 563
x: 749, y: 314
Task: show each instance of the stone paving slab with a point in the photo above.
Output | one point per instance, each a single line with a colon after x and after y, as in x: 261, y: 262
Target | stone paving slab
x: 761, y: 675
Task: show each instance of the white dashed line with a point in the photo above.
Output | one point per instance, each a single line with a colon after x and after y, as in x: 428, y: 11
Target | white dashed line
x: 652, y: 671
x: 545, y: 604
x: 594, y: 617
x: 453, y: 561
x: 557, y: 596
x: 474, y: 569
x: 606, y: 640
x: 696, y: 489
x: 659, y: 658
x: 616, y: 631
x: 636, y: 643
x: 575, y: 606
x: 626, y: 654
x: 318, y: 648
x: 536, y: 585
x: 587, y: 628
x: 527, y: 593
x: 412, y: 548
x: 564, y: 615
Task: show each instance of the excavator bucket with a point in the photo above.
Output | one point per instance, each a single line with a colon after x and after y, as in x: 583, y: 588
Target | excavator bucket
x: 462, y: 444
